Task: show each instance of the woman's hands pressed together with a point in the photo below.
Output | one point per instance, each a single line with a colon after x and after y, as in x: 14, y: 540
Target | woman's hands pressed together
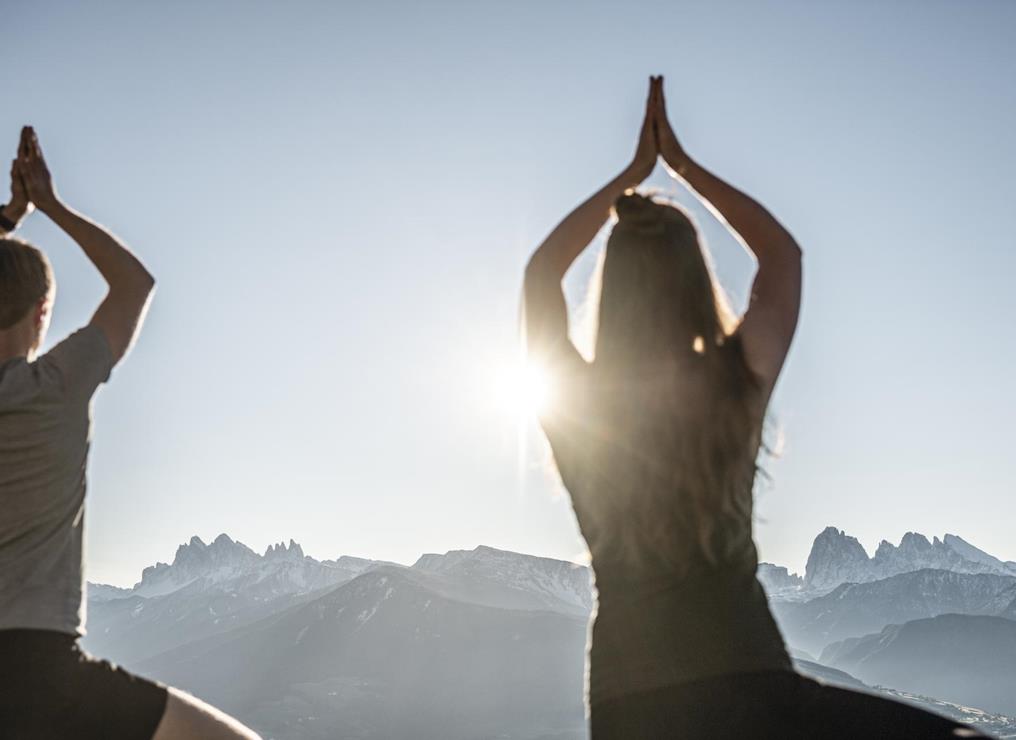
x: 670, y: 148
x: 648, y: 147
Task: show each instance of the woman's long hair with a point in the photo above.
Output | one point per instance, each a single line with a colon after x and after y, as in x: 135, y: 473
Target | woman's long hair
x: 676, y: 403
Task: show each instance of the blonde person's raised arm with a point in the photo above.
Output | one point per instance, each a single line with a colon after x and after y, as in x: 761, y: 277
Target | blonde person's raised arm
x: 121, y: 313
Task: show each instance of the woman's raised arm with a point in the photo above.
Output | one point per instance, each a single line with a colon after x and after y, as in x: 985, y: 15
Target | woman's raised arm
x: 769, y: 323
x: 546, y: 314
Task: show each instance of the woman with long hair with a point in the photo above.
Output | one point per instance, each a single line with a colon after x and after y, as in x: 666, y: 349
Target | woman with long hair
x: 656, y: 440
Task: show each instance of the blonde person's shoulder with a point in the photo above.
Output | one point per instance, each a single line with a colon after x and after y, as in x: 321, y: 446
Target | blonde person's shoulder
x: 80, y: 363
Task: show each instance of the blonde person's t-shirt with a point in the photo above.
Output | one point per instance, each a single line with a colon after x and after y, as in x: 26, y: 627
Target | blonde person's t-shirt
x: 45, y: 430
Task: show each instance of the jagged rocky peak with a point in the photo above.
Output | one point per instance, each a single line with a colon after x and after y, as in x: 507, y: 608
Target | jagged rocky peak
x: 777, y: 579
x: 963, y: 548
x: 229, y: 565
x: 279, y: 551
x: 834, y: 538
x: 884, y: 550
x: 195, y: 560
x: 189, y: 550
x: 914, y: 547
x: 916, y: 543
x: 835, y: 558
x: 154, y: 570
x: 222, y: 550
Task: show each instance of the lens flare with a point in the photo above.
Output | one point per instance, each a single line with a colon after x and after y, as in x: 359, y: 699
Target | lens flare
x: 524, y: 390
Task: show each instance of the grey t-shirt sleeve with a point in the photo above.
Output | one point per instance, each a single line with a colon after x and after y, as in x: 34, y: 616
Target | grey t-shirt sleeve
x: 82, y: 361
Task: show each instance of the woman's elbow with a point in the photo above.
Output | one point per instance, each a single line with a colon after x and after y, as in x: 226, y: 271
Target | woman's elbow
x: 795, y: 248
x: 789, y: 250
x: 534, y: 266
x: 541, y: 270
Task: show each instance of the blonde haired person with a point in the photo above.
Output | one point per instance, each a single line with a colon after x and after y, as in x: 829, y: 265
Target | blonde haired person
x: 656, y: 441
x: 49, y: 688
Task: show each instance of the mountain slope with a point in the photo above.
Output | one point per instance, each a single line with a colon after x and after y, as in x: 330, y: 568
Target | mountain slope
x: 397, y: 638
x: 999, y: 725
x: 963, y: 658
x: 855, y: 609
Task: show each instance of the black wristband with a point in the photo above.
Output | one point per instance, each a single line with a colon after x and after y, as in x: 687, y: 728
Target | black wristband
x: 5, y: 223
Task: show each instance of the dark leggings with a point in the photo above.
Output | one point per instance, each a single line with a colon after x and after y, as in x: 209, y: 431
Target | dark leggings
x: 777, y: 704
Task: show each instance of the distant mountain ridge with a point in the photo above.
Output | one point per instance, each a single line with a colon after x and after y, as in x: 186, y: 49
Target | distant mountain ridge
x: 835, y: 558
x: 215, y: 587
x: 492, y: 642
x: 838, y: 558
x: 846, y: 593
x: 561, y: 585
x: 207, y: 589
x: 282, y: 568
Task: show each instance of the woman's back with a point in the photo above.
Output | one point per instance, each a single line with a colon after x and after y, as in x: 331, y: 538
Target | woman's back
x: 678, y: 600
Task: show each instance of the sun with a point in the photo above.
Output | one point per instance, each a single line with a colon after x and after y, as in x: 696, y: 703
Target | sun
x: 524, y: 390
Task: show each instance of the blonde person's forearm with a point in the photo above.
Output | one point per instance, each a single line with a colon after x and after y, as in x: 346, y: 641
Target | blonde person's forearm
x: 118, y: 266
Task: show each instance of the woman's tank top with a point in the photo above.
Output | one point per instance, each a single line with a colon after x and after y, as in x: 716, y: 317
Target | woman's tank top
x: 665, y: 613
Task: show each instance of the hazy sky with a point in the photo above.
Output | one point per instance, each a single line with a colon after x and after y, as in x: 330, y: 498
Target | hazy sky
x: 338, y: 201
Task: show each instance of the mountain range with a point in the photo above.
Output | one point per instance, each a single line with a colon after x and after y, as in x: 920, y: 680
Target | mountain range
x: 838, y: 558
x: 208, y: 588
x: 923, y: 617
x: 485, y: 642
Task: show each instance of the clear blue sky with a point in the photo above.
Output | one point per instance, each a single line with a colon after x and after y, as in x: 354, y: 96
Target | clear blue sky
x: 338, y: 200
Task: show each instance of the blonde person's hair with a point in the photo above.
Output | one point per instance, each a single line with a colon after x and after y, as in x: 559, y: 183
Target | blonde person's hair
x: 26, y: 277
x: 664, y: 326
